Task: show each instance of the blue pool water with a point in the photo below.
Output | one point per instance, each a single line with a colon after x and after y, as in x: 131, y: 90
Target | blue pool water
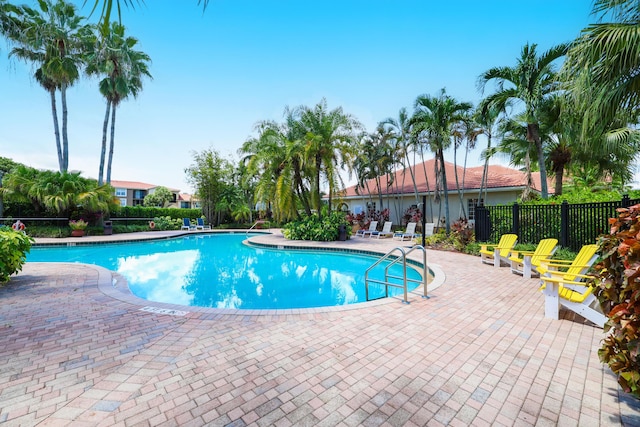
x: 217, y: 270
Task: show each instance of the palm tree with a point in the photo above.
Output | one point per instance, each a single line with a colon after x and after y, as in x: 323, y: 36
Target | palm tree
x: 330, y: 141
x: 486, y: 117
x: 277, y: 157
x: 402, y: 129
x: 52, y: 40
x: 529, y: 82
x: 113, y: 55
x: 435, y: 118
x: 607, y: 59
x: 377, y: 153
x: 106, y: 8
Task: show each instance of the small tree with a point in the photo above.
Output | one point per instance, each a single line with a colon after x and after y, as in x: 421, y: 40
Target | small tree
x: 160, y: 198
x: 618, y: 290
x: 210, y: 175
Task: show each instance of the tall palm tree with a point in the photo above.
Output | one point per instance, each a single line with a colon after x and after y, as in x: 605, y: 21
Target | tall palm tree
x: 52, y: 39
x: 278, y: 159
x: 530, y: 81
x: 487, y: 118
x: 106, y: 9
x: 435, y: 119
x: 377, y: 152
x: 402, y: 129
x: 608, y: 53
x: 113, y: 56
x: 330, y: 141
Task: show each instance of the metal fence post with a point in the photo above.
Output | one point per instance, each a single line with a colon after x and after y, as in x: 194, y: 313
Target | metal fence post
x: 515, y: 228
x: 626, y: 201
x: 564, y: 224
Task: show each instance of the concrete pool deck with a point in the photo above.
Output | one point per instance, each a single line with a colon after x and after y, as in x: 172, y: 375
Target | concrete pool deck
x: 77, y: 349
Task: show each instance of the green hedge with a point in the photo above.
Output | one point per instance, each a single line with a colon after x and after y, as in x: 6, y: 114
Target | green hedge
x: 152, y: 212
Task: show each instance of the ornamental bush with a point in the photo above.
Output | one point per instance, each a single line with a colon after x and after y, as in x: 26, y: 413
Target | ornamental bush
x: 325, y: 229
x: 618, y: 289
x: 14, y: 247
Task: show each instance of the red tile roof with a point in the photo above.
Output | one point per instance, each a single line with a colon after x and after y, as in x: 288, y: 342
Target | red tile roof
x: 497, y: 177
x: 135, y: 185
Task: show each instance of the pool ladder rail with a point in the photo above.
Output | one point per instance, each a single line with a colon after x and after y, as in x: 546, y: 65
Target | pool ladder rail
x: 402, y: 257
x: 259, y: 222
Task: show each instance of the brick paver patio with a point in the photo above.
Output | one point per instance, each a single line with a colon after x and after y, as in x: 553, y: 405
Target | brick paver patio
x: 75, y: 349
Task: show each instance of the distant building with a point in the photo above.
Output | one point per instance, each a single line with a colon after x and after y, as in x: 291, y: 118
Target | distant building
x: 504, y: 185
x: 132, y: 193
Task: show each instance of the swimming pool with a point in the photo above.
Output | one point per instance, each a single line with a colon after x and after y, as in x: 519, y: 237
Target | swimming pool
x: 217, y: 270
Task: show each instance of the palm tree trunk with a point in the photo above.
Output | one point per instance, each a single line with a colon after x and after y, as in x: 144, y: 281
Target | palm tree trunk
x: 112, y: 142
x: 426, y: 179
x: 526, y: 193
x: 413, y: 177
x: 56, y: 129
x: 558, y: 184
x: 65, y: 138
x: 445, y: 190
x: 485, y: 171
x: 455, y: 173
x: 103, y: 149
x: 533, y: 135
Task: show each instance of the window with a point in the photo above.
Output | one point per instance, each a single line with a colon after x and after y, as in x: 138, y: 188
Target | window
x: 471, y: 208
x: 184, y: 205
x: 139, y: 194
x: 123, y: 201
x: 121, y: 192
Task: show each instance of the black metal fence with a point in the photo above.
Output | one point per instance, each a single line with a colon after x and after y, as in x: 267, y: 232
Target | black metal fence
x: 573, y: 225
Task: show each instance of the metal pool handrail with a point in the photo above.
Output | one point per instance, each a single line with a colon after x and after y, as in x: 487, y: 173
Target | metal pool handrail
x: 404, y: 277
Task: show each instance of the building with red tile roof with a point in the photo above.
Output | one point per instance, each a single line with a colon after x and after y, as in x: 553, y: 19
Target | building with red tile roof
x: 132, y: 193
x: 504, y: 185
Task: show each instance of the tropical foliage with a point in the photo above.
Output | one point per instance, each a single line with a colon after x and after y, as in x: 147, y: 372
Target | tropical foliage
x: 293, y: 161
x: 317, y: 228
x: 161, y: 197
x: 14, y: 247
x: 618, y: 287
x: 215, y: 183
x: 57, y: 193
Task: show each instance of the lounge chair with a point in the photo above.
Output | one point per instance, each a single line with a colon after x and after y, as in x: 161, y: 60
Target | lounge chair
x: 410, y: 232
x: 202, y: 226
x: 527, y: 262
x: 386, y: 230
x: 428, y: 228
x: 496, y: 254
x: 563, y: 284
x: 372, y: 227
x: 186, y: 224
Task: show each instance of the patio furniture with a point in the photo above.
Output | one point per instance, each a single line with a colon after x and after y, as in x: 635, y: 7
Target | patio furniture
x: 186, y: 224
x: 372, y: 227
x: 410, y: 232
x: 386, y: 230
x: 527, y: 262
x: 201, y: 225
x: 563, y: 284
x: 496, y: 254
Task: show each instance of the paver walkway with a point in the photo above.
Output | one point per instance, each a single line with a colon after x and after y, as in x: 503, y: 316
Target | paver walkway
x: 479, y: 352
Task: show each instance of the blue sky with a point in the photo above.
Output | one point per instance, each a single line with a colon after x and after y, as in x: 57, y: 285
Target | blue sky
x: 217, y: 73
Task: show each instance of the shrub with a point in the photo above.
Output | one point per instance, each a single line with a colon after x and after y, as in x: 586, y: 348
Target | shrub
x: 462, y: 233
x: 14, y: 247
x: 316, y: 229
x: 166, y: 223
x: 618, y: 290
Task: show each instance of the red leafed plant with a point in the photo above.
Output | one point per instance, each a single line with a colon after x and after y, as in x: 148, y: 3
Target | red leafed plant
x: 618, y: 290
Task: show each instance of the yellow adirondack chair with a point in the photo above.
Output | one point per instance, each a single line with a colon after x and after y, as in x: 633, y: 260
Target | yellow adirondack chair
x: 563, y: 284
x: 495, y: 254
x: 527, y: 262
